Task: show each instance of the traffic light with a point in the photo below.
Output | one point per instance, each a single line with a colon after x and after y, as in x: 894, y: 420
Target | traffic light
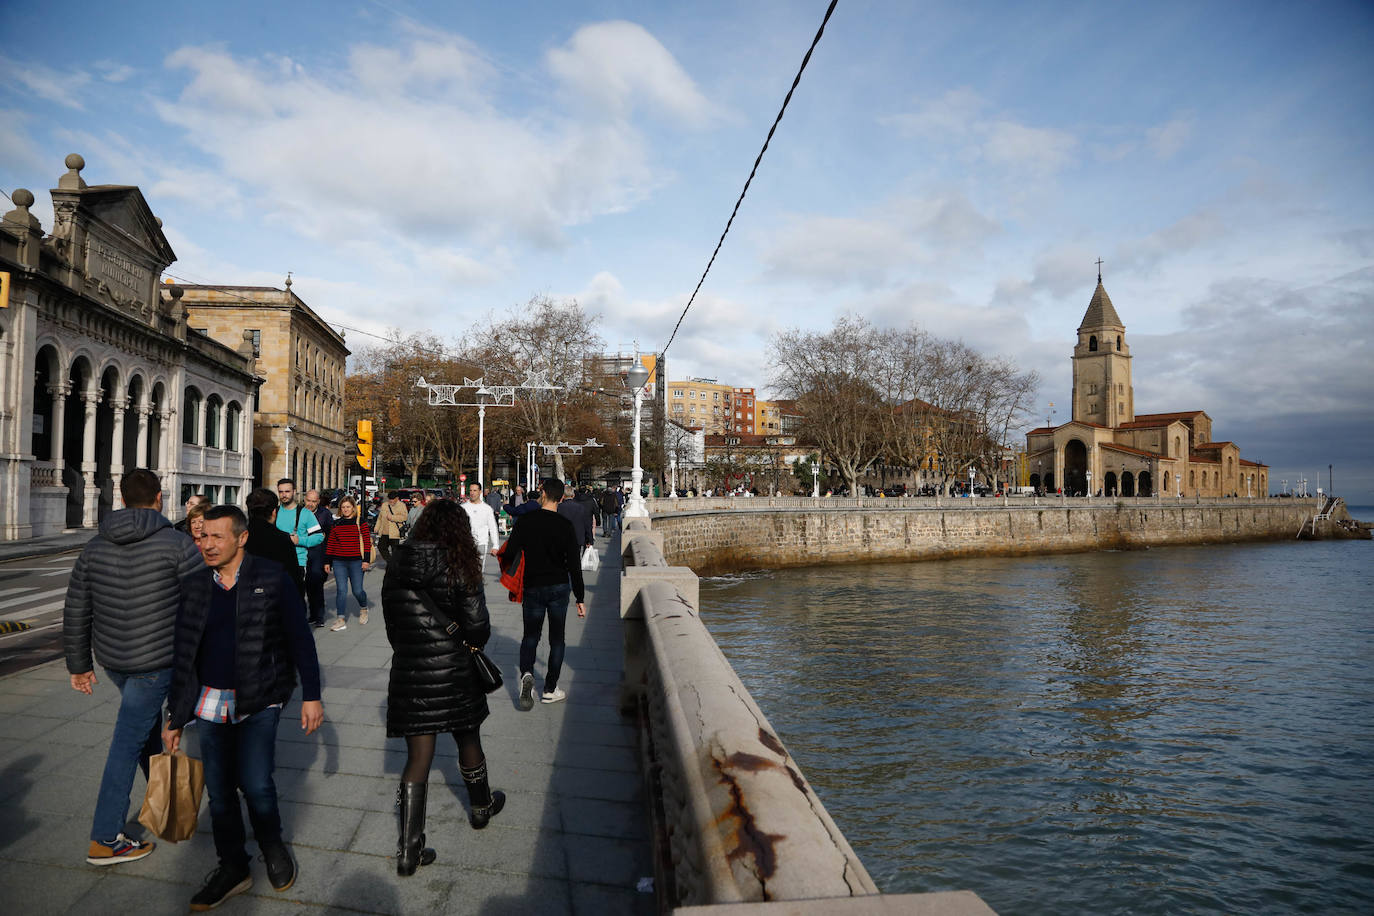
x: 365, y: 444
x: 4, y: 289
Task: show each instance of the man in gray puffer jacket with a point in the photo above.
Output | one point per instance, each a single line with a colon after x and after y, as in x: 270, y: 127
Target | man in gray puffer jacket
x: 123, y: 597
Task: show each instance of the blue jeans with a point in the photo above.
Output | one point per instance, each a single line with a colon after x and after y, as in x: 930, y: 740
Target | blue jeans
x: 348, y: 574
x: 612, y: 523
x: 541, y: 600
x: 241, y: 758
x: 137, y: 736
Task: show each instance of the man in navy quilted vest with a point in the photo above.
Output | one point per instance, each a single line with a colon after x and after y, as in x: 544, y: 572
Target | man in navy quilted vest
x: 122, y: 601
x: 241, y: 640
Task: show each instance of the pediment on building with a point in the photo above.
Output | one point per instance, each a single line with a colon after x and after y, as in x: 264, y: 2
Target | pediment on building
x: 124, y: 209
x: 110, y: 235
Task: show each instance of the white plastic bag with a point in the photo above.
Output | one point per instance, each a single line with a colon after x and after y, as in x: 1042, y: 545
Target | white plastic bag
x: 590, y: 560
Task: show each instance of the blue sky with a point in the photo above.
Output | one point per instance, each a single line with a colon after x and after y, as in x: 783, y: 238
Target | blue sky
x: 422, y: 165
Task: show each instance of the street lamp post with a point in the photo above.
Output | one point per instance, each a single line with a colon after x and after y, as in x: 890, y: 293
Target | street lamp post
x: 482, y: 395
x: 636, y: 379
x: 286, y: 472
x: 970, y: 481
x: 1089, y: 476
x: 815, y: 480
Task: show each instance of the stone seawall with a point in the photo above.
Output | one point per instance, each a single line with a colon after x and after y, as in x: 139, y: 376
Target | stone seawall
x: 727, y: 535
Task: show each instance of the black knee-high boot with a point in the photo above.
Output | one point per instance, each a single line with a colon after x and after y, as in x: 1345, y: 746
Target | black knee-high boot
x: 485, y: 803
x: 410, y: 847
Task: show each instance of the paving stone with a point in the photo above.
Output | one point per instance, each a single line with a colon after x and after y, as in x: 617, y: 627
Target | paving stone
x: 572, y: 838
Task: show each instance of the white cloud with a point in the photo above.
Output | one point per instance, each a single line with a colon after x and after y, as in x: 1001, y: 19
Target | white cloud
x: 114, y: 72
x: 616, y: 65
x: 960, y: 119
x: 1167, y: 139
x: 873, y: 250
x: 1039, y: 149
x: 60, y: 86
x: 413, y: 139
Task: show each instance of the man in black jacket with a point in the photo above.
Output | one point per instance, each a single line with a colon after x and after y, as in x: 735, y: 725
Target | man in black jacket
x: 553, y: 569
x: 581, y: 518
x: 122, y: 598
x: 314, y: 569
x: 241, y: 638
x: 268, y: 541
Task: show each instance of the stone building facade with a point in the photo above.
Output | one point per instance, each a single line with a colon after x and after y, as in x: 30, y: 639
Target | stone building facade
x: 1108, y: 448
x: 299, y: 410
x: 97, y: 362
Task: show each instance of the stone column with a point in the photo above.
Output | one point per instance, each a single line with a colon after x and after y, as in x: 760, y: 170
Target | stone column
x: 145, y: 411
x: 59, y: 426
x: 119, y: 405
x: 165, y: 472
x: 90, y: 515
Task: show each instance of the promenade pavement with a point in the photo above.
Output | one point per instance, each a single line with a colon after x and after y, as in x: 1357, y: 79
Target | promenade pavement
x: 573, y: 837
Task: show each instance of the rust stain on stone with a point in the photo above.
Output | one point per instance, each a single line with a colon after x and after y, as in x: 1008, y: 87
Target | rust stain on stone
x: 749, y: 840
x: 771, y: 742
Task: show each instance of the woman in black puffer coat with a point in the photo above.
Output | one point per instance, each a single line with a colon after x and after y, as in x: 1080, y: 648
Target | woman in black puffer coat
x: 434, y: 581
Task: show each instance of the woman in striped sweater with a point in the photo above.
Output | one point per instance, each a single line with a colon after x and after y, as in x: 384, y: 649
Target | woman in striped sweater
x: 348, y: 553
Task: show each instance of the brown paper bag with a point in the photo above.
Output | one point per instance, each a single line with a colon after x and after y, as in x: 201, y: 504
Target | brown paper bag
x: 172, y: 805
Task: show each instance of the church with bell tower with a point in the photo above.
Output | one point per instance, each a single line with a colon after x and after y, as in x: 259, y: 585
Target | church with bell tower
x: 1106, y: 449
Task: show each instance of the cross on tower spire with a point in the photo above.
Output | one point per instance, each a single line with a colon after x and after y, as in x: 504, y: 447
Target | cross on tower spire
x: 1099, y: 270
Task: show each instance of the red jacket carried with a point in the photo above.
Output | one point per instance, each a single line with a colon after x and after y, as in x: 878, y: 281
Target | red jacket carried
x: 512, y: 573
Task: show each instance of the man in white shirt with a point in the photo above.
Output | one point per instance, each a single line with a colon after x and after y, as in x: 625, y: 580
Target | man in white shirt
x: 485, y: 535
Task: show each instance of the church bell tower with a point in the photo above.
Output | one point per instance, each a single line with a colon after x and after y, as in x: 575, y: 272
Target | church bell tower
x: 1102, y: 392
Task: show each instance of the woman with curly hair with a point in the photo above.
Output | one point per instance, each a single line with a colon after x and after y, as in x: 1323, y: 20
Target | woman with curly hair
x: 435, y: 609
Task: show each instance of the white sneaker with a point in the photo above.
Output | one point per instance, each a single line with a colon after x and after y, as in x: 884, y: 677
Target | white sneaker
x: 553, y: 696
x: 339, y: 624
x: 362, y: 617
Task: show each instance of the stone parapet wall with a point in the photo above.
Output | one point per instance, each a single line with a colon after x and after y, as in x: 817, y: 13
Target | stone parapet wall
x: 736, y: 824
x: 713, y: 536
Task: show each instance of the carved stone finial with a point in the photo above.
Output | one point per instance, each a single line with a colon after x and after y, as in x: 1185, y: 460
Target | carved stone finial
x: 177, y: 292
x: 72, y: 181
x: 20, y: 215
x: 288, y: 279
x: 158, y: 220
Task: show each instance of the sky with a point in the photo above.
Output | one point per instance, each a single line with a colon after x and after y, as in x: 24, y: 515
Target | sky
x: 421, y: 166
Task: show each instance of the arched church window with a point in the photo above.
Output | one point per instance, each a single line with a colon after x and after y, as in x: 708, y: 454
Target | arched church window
x: 1092, y: 343
x: 1118, y: 342
x: 1192, y: 478
x: 1177, y: 444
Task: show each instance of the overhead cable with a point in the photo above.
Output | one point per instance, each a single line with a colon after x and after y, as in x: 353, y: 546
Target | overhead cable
x: 776, y: 121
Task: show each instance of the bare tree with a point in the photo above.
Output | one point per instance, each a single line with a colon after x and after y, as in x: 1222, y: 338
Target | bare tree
x: 837, y: 378
x: 969, y: 403
x: 382, y: 389
x: 552, y: 339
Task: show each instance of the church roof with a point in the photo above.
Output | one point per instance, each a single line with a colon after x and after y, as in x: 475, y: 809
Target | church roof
x: 1253, y: 464
x: 1100, y: 312
x: 1154, y: 420
x: 1130, y: 451
x: 1212, y: 445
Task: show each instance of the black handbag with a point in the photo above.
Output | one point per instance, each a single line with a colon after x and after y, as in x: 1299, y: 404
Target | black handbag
x: 488, y: 675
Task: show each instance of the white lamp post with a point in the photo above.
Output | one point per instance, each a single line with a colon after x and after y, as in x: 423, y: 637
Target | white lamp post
x: 1089, y: 494
x: 482, y: 395
x: 970, y: 481
x: 286, y: 472
x: 815, y: 480
x: 636, y: 378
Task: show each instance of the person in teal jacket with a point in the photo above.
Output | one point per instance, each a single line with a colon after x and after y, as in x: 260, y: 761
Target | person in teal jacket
x: 297, y: 521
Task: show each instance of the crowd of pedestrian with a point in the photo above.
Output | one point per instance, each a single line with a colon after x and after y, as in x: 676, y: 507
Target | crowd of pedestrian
x: 211, y: 618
